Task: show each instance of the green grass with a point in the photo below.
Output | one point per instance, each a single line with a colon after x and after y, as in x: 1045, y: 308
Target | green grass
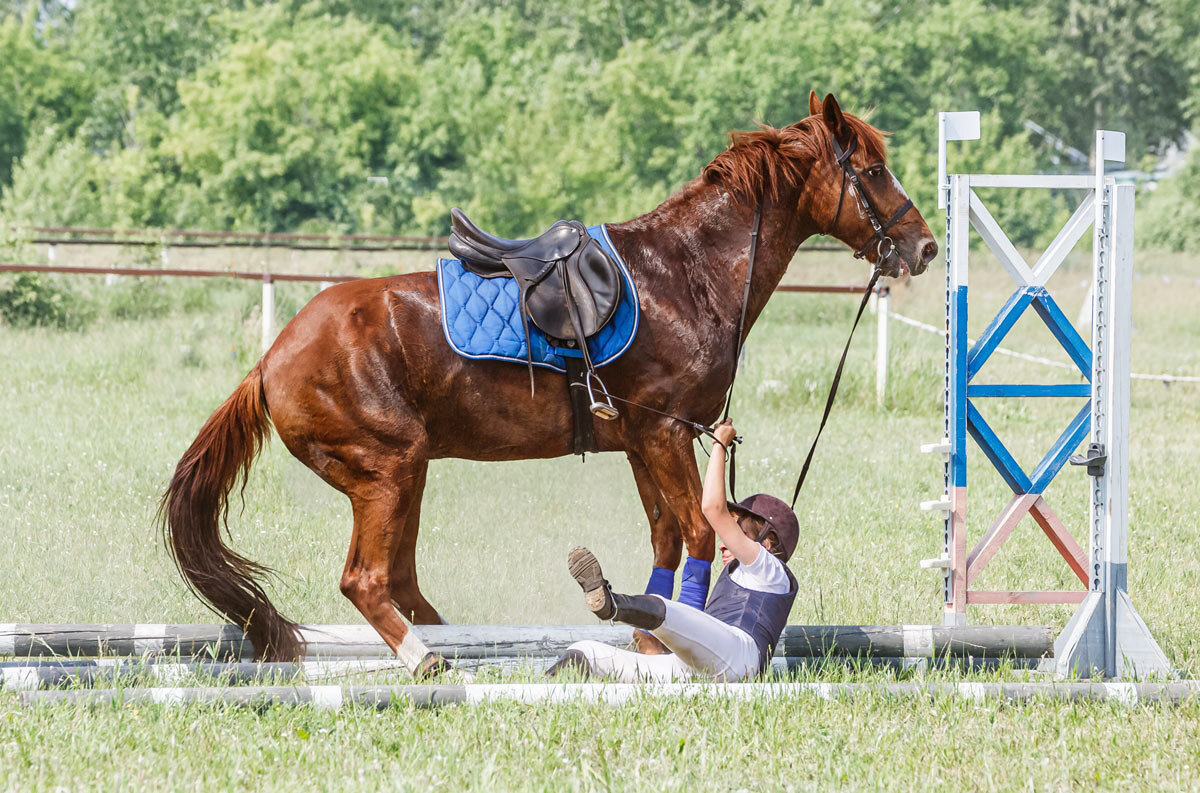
x: 655, y: 745
x: 94, y: 422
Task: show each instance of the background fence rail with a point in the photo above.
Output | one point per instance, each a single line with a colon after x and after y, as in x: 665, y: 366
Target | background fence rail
x: 268, y: 280
x: 188, y: 238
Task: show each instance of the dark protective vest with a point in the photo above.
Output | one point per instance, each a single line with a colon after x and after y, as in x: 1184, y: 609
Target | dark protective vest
x: 763, y: 615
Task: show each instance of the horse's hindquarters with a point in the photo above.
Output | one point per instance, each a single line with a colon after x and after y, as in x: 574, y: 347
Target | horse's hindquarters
x: 366, y: 365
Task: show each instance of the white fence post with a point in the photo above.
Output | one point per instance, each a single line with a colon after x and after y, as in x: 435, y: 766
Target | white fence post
x: 883, y: 298
x: 268, y: 311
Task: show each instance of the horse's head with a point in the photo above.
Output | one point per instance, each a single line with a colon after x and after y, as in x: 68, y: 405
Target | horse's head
x: 851, y: 195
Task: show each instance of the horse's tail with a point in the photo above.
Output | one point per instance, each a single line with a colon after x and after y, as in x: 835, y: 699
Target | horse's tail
x: 196, y: 505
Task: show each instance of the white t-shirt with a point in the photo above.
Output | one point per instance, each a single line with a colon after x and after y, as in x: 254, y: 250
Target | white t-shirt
x: 764, y: 574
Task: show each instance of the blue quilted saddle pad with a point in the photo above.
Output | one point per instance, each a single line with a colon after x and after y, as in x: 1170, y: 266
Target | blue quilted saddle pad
x: 481, y: 317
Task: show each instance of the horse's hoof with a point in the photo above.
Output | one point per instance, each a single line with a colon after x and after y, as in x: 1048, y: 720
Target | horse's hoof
x: 431, y: 666
x: 648, y: 644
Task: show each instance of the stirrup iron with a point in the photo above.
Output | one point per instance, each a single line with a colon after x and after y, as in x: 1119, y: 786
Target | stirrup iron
x: 600, y: 409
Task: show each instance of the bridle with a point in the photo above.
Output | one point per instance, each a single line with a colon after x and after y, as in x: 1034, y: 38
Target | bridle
x: 885, y: 247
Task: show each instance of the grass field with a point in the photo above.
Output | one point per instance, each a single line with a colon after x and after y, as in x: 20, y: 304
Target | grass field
x: 95, y: 420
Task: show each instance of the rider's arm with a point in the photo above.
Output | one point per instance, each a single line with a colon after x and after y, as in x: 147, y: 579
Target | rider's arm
x: 715, y: 505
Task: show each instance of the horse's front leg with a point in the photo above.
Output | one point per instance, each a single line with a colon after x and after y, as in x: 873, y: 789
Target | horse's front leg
x: 671, y: 462
x: 666, y: 541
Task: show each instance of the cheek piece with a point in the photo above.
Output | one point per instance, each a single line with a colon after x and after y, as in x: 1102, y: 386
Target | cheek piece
x: 885, y: 247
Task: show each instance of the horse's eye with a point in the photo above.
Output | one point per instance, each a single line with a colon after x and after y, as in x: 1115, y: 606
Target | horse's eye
x: 875, y: 170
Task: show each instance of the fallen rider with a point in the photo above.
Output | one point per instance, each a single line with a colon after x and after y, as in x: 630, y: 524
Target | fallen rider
x: 735, y: 636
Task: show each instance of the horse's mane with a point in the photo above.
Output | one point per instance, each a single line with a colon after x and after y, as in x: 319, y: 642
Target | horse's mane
x: 763, y: 161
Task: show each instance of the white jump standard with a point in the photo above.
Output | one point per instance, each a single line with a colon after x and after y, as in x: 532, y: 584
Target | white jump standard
x: 1106, y: 635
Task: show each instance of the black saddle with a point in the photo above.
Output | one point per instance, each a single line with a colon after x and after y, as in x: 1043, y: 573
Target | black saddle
x: 569, y: 285
x: 569, y: 288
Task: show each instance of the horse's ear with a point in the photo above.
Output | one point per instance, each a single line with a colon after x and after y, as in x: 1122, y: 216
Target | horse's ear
x: 814, y: 104
x: 834, y: 119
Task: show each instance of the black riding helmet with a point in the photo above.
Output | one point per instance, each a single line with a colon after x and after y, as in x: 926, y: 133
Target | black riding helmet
x: 776, y: 516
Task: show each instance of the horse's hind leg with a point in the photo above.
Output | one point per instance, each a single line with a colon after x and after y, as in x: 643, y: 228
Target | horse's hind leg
x: 406, y: 594
x: 381, y: 503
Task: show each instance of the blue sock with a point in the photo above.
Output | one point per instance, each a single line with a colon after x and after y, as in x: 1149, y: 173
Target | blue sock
x: 662, y: 582
x: 694, y: 589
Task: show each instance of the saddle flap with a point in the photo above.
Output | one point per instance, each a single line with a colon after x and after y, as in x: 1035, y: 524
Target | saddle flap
x: 595, y: 287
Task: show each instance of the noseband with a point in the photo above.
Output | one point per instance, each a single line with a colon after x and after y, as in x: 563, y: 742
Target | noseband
x: 884, y: 245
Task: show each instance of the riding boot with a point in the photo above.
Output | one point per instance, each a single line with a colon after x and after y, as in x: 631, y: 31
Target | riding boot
x: 641, y: 611
x: 572, y: 660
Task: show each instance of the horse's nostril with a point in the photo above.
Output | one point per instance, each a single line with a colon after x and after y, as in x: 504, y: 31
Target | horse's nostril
x: 928, y: 252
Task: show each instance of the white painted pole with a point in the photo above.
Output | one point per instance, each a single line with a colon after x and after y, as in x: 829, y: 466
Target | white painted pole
x: 1108, y: 424
x: 268, y: 311
x: 883, y: 295
x: 1109, y: 146
x: 958, y: 247
x: 963, y: 125
x: 943, y: 186
x: 1116, y: 409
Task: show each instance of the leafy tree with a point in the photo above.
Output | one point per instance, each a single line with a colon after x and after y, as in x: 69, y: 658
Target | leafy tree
x: 285, y: 128
x: 139, y: 50
x: 1169, y: 216
x: 39, y: 83
x: 58, y: 182
x: 228, y: 114
x: 1123, y: 66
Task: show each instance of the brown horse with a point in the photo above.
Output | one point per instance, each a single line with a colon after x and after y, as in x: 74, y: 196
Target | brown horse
x: 364, y: 390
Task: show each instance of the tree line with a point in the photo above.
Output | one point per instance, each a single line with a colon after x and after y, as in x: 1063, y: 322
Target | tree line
x: 222, y: 114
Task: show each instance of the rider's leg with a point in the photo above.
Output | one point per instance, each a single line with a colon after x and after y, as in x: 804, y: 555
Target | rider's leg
x: 706, y: 644
x: 699, y: 640
x: 596, y: 659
